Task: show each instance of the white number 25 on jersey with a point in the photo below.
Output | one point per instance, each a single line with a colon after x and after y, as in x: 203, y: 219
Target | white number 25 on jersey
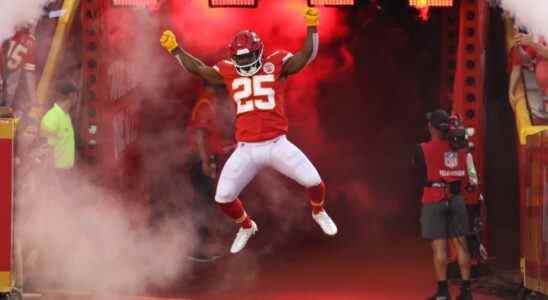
x: 253, y: 87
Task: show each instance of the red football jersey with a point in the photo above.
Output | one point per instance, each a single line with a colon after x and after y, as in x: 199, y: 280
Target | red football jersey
x: 18, y: 55
x: 20, y: 52
x: 204, y: 117
x: 259, y: 99
x: 541, y: 71
x: 523, y: 56
x: 528, y: 58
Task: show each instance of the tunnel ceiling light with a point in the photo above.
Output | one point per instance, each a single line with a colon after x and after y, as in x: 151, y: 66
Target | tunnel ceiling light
x: 140, y: 3
x: 233, y: 3
x: 330, y: 2
x: 431, y: 3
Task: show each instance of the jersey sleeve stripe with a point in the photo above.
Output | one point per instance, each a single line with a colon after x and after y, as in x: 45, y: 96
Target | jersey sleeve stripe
x: 216, y: 68
x: 288, y: 56
x: 275, y: 52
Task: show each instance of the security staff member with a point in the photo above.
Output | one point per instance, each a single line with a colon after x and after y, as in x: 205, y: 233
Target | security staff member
x: 442, y: 171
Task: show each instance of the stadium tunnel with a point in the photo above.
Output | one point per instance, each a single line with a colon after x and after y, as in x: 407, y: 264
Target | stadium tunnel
x: 357, y: 111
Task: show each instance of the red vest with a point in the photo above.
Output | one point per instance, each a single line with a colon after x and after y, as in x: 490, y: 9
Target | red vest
x: 443, y: 165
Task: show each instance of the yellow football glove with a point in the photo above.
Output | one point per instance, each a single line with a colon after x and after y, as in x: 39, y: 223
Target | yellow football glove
x: 168, y: 40
x: 311, y: 16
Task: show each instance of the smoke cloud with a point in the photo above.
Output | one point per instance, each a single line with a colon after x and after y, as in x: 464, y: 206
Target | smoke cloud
x: 93, y: 242
x: 89, y: 235
x: 530, y: 14
x: 75, y: 235
x: 19, y: 13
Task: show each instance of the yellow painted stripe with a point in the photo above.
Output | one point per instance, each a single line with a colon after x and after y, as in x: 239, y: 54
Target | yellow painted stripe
x: 523, y: 119
x: 242, y: 218
x: 316, y: 204
x: 5, y: 282
x: 7, y: 128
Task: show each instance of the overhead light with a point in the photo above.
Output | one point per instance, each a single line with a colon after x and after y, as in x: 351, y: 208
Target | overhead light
x: 330, y: 2
x: 430, y: 3
x: 233, y: 3
x: 137, y: 3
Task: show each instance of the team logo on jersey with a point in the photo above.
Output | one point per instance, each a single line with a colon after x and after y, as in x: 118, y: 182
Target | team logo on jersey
x: 451, y: 159
x: 268, y: 68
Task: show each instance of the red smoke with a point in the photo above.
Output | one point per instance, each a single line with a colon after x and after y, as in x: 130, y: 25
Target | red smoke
x: 205, y: 32
x: 280, y: 24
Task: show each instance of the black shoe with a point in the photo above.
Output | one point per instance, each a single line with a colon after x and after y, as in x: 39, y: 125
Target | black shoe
x: 465, y: 295
x: 440, y: 296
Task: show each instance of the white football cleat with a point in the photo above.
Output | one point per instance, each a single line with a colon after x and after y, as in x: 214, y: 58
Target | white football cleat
x: 243, y: 235
x: 325, y: 222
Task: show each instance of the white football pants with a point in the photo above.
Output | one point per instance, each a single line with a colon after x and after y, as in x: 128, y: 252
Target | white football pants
x: 249, y: 158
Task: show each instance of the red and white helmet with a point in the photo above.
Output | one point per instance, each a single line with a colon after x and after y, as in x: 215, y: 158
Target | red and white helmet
x: 246, y: 52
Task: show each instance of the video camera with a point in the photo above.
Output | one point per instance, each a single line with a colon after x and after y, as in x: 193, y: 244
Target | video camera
x: 452, y: 128
x: 456, y: 134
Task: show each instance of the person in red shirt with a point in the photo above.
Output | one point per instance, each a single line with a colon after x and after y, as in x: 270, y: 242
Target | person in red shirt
x: 208, y: 138
x: 17, y: 61
x: 530, y: 55
x: 255, y: 82
x: 442, y: 171
x: 211, y: 142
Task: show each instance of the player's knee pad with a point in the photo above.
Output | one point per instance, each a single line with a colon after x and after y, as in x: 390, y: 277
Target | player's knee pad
x: 225, y: 193
x: 308, y: 176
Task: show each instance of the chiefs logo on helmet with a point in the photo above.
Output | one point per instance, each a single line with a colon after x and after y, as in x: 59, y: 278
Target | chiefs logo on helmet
x: 246, y: 52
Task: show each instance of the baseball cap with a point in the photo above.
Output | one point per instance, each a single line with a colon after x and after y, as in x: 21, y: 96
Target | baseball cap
x: 438, y: 119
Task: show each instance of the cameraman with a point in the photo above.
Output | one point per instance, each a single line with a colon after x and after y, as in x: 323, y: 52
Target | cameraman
x: 442, y: 171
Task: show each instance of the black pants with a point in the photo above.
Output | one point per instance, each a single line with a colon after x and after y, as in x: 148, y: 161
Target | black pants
x: 204, y: 199
x: 445, y: 219
x: 204, y: 186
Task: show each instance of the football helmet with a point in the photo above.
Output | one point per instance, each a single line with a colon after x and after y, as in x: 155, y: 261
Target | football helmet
x: 246, y: 52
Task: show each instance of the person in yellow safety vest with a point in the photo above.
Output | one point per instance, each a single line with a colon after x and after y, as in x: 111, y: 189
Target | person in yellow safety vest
x: 56, y: 126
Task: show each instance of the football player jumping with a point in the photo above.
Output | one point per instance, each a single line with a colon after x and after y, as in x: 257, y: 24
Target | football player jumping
x: 256, y: 84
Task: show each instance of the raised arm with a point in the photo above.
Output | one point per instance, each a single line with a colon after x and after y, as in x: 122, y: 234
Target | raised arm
x: 310, y: 48
x: 189, y: 62
x: 515, y: 76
